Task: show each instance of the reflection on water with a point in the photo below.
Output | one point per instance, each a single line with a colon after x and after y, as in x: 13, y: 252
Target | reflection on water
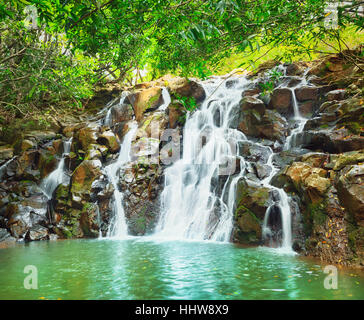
x: 140, y: 268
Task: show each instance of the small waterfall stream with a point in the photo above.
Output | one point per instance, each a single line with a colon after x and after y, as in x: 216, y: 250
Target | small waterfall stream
x: 118, y: 227
x: 56, y: 177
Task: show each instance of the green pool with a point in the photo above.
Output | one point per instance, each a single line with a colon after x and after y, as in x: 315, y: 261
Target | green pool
x: 145, y: 269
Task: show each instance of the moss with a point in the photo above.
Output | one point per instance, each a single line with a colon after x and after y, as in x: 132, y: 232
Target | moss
x: 315, y: 214
x: 356, y: 239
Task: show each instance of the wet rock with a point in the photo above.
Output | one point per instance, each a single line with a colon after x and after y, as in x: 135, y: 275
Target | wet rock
x: 37, y: 233
x: 84, y: 137
x: 109, y: 139
x: 145, y: 149
x: 121, y: 113
x: 294, y: 69
x: 143, y: 100
x: 47, y: 163
x: 307, y: 93
x: 175, y: 114
x: 6, y: 153
x: 350, y: 189
x: 183, y: 87
x: 5, y: 236
x: 336, y: 95
x: 89, y: 221
x: 271, y: 125
x: 84, y: 175
x: 253, y: 197
x: 153, y: 126
x: 27, y: 144
x: 281, y: 101
x: 40, y: 136
x: 141, y: 184
x: 253, y: 152
x: 251, y: 103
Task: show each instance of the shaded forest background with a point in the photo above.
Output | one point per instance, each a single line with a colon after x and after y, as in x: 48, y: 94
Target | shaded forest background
x: 54, y: 53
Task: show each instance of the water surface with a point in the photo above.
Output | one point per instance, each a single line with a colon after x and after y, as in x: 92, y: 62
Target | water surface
x: 144, y: 269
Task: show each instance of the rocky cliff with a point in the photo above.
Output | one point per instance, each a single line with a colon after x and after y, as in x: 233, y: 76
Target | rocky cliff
x: 322, y: 171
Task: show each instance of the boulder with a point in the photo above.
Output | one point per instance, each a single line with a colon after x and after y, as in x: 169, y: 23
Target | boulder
x: 253, y: 196
x: 281, y: 101
x: 350, y: 189
x: 335, y: 95
x: 251, y: 103
x: 143, y: 100
x: 6, y: 153
x: 271, y: 125
x: 183, y: 87
x: 307, y: 93
x: 109, y: 139
x: 84, y: 175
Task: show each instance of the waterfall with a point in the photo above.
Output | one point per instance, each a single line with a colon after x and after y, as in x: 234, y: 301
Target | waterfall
x: 166, y: 99
x: 118, y: 227
x: 56, y: 177
x: 191, y: 193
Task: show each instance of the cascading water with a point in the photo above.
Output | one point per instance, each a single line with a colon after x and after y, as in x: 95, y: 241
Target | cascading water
x: 191, y: 196
x: 191, y: 192
x: 56, y: 177
x: 118, y: 227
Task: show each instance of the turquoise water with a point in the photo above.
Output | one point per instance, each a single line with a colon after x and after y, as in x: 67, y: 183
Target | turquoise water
x: 143, y: 269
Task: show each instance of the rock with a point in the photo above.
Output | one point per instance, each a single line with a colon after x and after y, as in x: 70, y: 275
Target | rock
x: 5, y: 236
x: 152, y: 126
x: 183, y: 87
x: 251, y: 103
x: 307, y: 93
x: 248, y: 227
x: 58, y: 146
x: 144, y: 100
x: 27, y: 144
x: 350, y: 189
x: 37, y: 233
x: 141, y: 184
x: 109, y: 139
x: 26, y: 214
x: 6, y: 153
x: 175, y: 113
x: 307, y: 180
x: 145, y: 149
x: 84, y: 175
x: 281, y: 100
x: 294, y: 69
x: 315, y: 159
x: 253, y: 152
x: 251, y: 92
x: 253, y: 197
x: 271, y: 126
x: 40, y: 136
x: 337, y: 162
x: 85, y: 136
x: 120, y: 114
x: 89, y: 220
x: 336, y: 95
x: 47, y: 163
x: 25, y: 166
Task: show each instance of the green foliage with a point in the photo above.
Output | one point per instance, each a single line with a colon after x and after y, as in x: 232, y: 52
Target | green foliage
x: 79, y: 43
x: 272, y: 78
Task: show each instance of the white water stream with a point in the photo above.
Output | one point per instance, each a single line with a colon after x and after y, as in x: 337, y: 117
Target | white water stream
x: 57, y: 176
x: 118, y: 227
